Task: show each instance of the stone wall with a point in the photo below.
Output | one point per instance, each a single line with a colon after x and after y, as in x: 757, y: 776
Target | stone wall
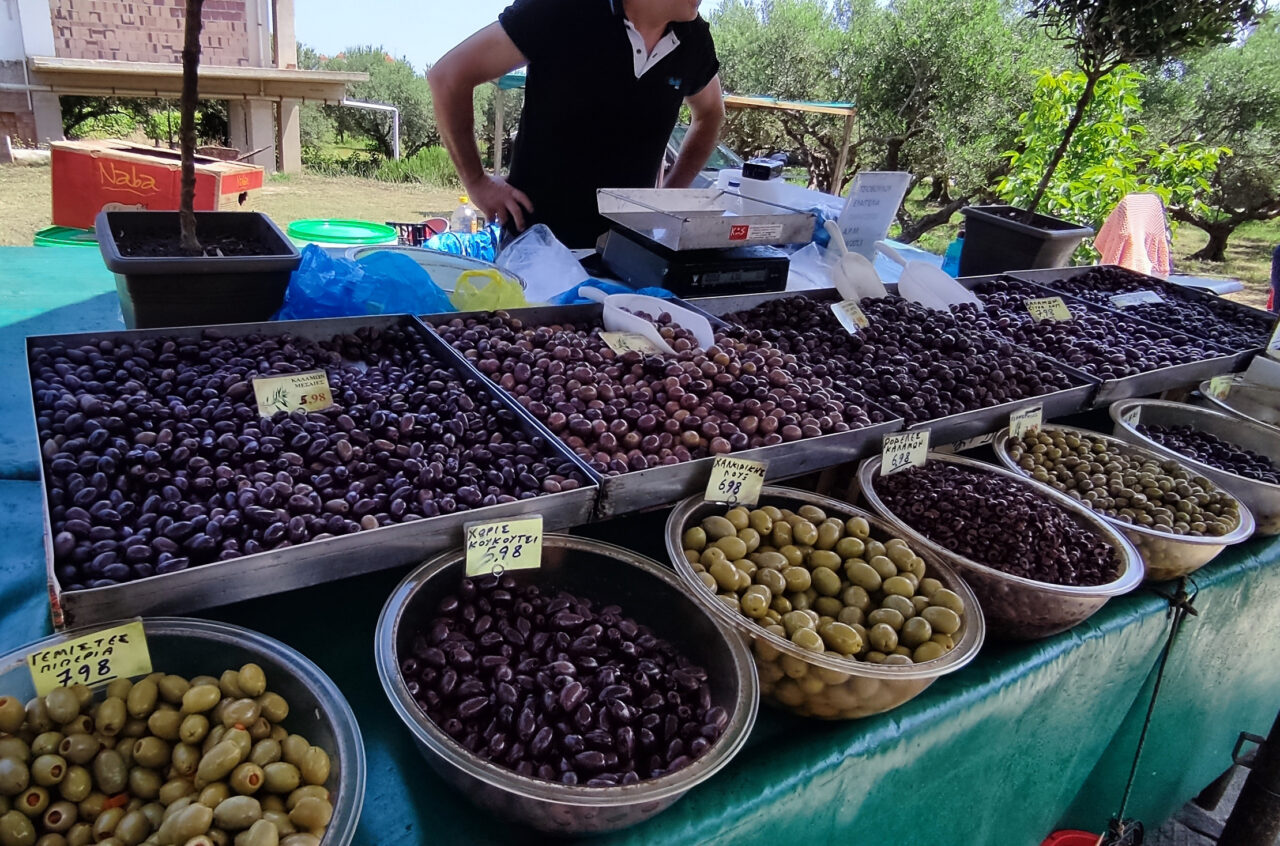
x: 148, y: 30
x: 16, y: 118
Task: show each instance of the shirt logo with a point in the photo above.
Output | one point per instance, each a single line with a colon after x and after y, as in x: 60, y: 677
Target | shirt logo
x: 675, y: 82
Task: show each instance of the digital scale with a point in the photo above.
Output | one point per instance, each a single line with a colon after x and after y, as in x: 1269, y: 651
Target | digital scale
x: 641, y: 262
x: 698, y: 242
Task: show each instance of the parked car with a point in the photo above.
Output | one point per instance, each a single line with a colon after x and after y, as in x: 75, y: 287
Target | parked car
x: 722, y: 158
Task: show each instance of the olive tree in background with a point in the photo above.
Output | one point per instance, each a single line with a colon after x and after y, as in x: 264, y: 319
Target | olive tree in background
x: 392, y: 82
x: 1105, y: 34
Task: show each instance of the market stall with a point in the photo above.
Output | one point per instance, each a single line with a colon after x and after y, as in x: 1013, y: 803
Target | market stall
x: 1043, y: 729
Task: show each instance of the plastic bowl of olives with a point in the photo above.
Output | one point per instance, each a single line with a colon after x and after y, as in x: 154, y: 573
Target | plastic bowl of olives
x: 307, y: 705
x: 1016, y: 606
x: 845, y: 619
x: 518, y: 785
x: 1179, y: 520
x: 1240, y: 456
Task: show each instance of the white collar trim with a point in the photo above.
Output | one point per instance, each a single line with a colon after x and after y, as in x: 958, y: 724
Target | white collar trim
x: 643, y: 60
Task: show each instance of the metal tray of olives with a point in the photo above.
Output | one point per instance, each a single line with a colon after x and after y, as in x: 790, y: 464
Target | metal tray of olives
x: 1246, y: 400
x: 1015, y: 606
x: 314, y: 561
x: 954, y: 427
x: 660, y: 486
x: 1047, y: 277
x: 1139, y: 384
x: 1262, y: 498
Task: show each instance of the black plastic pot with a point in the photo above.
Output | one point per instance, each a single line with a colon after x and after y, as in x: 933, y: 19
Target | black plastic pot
x: 999, y: 238
x: 197, y: 290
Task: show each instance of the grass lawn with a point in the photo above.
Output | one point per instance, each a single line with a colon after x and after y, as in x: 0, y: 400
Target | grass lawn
x: 25, y: 200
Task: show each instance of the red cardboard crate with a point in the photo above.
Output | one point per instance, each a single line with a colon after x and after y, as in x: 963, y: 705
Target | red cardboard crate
x: 91, y: 175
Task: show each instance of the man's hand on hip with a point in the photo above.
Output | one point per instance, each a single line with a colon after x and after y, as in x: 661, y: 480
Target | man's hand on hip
x: 500, y: 201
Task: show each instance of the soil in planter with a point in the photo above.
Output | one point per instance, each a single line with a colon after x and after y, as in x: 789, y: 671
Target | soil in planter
x: 148, y: 245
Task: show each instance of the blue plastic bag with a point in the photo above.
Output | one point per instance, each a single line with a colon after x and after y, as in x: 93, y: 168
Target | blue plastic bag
x: 572, y: 297
x: 380, y: 283
x: 481, y: 245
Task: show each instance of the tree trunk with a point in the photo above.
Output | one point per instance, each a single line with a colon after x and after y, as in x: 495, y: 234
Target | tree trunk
x: 939, y: 190
x: 1216, y: 249
x: 187, y: 130
x: 942, y: 216
x: 1091, y: 80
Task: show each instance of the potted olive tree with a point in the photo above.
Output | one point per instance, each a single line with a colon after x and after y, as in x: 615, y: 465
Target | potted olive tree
x: 1102, y: 35
x: 187, y: 267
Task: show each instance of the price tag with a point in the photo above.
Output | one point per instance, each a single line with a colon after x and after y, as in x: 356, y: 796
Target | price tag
x: 850, y: 315
x: 625, y: 342
x: 1273, y: 345
x: 901, y: 450
x: 1220, y: 386
x: 308, y: 391
x: 1131, y: 416
x: 1134, y: 298
x: 503, y: 545
x: 93, y: 659
x: 1048, y: 308
x: 735, y: 481
x: 1025, y: 420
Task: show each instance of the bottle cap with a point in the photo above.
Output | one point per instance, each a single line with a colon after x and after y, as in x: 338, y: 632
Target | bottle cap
x: 463, y: 199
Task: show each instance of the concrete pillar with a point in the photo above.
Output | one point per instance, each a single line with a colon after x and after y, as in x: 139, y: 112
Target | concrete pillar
x: 252, y: 125
x: 48, y: 115
x: 289, y: 144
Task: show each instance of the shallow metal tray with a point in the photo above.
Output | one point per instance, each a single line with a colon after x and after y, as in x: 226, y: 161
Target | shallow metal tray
x: 953, y: 427
x: 664, y: 485
x: 313, y: 562
x: 1045, y: 279
x: 1140, y: 384
x: 703, y: 218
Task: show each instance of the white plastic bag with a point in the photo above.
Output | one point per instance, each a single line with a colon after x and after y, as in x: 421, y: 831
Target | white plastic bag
x: 810, y: 269
x: 546, y: 266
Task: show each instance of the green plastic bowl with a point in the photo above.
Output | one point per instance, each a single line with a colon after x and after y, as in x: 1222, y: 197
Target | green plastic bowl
x: 65, y: 236
x: 341, y: 233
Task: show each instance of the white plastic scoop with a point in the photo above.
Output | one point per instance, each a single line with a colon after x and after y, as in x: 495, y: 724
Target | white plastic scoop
x: 620, y: 315
x: 854, y: 275
x: 927, y: 285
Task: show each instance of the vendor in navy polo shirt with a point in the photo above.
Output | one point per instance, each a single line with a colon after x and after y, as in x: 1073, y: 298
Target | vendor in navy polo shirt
x: 605, y: 82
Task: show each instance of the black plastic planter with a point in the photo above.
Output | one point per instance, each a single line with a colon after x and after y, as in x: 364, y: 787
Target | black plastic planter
x: 197, y: 290
x: 997, y: 239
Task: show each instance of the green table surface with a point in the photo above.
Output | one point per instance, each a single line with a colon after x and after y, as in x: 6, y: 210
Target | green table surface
x: 1029, y: 738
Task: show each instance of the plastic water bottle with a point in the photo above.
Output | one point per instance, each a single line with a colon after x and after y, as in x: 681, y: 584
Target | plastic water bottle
x: 951, y: 260
x: 466, y: 218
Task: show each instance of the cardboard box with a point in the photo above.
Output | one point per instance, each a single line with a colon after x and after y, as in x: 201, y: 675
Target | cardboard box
x: 91, y: 175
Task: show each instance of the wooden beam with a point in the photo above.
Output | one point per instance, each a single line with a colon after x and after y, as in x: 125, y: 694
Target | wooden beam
x: 734, y: 101
x: 843, y: 159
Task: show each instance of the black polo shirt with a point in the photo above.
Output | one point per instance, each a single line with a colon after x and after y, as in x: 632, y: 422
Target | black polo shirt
x: 588, y: 122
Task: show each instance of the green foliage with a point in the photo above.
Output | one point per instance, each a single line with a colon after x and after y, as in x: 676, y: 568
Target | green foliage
x: 429, y: 166
x: 1110, y: 155
x: 391, y: 82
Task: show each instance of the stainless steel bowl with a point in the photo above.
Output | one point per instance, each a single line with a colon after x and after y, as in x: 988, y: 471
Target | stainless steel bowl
x: 825, y: 685
x: 191, y: 647
x: 1166, y: 556
x: 1262, y: 498
x: 648, y: 593
x: 1255, y: 403
x: 1015, y: 606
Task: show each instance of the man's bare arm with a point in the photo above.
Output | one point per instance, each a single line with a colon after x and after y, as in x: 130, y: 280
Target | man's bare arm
x: 707, y: 116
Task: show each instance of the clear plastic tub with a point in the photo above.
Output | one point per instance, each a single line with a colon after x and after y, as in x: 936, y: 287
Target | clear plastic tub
x: 1165, y: 556
x: 827, y: 685
x: 1256, y: 403
x: 648, y: 593
x: 191, y: 647
x: 1014, y: 606
x: 1262, y: 498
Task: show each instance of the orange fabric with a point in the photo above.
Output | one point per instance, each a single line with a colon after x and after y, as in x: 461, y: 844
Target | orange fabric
x: 1136, y: 236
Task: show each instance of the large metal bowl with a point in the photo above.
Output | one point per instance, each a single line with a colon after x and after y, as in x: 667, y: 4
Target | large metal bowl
x: 1247, y: 400
x: 833, y: 687
x: 1166, y: 556
x: 1262, y: 498
x: 190, y: 647
x: 1014, y: 606
x: 647, y: 592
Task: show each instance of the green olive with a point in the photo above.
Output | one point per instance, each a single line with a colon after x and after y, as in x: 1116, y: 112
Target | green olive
x: 16, y: 830
x: 828, y: 606
x: 886, y: 617
x: 825, y: 558
x: 863, y: 575
x: 218, y: 762
x: 781, y: 534
x: 144, y: 783
x: 771, y: 579
x: 850, y: 547
x: 948, y: 599
x: 858, y: 527
x: 48, y: 770
x: 185, y: 759
x: 825, y: 581
x: 193, y: 728
x: 804, y: 533
x: 247, y: 778
x: 242, y: 712
x: 797, y: 579
x: 151, y: 752
x: 38, y: 719
x: 265, y: 751
x: 76, y: 784
x: 828, y: 535
x: 142, y: 699
x: 174, y: 789
x: 236, y: 813
x: 201, y: 698
x: 241, y: 739
x: 262, y: 833
x: 725, y: 574
x: 110, y: 773
x: 850, y: 615
x: 164, y: 723
x: 62, y: 704
x: 32, y: 801
x: 899, y: 586
x: 300, y: 839
x: 755, y: 603
x: 793, y: 555
x: 717, y: 527
x: 751, y: 538
x: 59, y: 816
x: 110, y: 716
x: 901, y: 604
x: 213, y: 794
x: 173, y: 688
x: 191, y: 821
x: 884, y: 638
x: 79, y: 748
x: 229, y: 684
x: 133, y: 828
x: 281, y: 777
x: 307, y: 790
x: 915, y: 631
x: 15, y: 776
x: 841, y: 638
x: 14, y: 747
x: 80, y: 834
x: 694, y: 537
x: 943, y: 620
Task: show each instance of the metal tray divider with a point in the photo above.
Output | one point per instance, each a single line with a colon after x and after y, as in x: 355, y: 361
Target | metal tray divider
x: 313, y: 562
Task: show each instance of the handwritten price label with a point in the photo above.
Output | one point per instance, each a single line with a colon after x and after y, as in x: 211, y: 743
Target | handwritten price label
x: 308, y: 391
x: 850, y: 315
x: 625, y: 342
x: 1048, y: 308
x: 1273, y: 345
x: 1220, y: 386
x: 901, y: 450
x: 1136, y: 298
x: 503, y: 545
x: 735, y: 481
x: 1025, y: 421
x: 1132, y: 416
x: 93, y: 659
